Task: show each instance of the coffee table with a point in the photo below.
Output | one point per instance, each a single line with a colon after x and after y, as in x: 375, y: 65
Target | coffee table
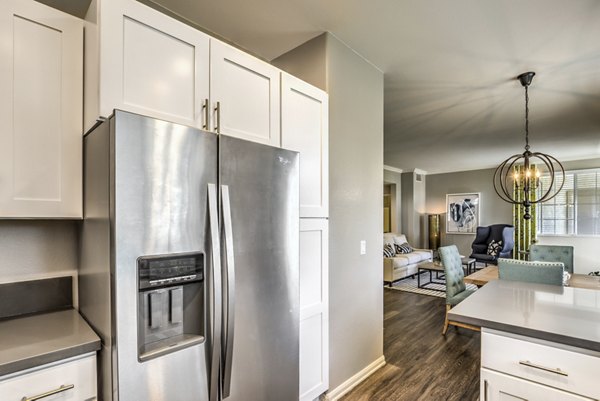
x: 431, y: 267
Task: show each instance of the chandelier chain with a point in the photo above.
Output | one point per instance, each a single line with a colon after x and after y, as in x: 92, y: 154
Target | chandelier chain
x: 526, y: 117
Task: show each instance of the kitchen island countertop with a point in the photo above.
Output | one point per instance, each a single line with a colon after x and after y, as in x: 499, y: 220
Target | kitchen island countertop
x: 565, y: 315
x: 35, y: 340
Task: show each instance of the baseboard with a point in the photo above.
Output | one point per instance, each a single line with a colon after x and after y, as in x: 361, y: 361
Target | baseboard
x: 345, y: 387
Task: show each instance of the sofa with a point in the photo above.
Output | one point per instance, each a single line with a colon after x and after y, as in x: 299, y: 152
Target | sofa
x: 402, y: 265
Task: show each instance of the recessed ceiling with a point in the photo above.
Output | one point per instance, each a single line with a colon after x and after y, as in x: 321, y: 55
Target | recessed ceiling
x: 451, y: 99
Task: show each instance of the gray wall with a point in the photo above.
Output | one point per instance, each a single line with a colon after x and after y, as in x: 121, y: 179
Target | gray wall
x: 492, y: 209
x: 394, y: 179
x: 355, y: 198
x: 414, y: 209
x: 33, y: 249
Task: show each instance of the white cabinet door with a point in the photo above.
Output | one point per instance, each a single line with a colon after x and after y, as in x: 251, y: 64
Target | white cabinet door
x: 304, y: 128
x: 500, y: 387
x: 41, y: 76
x: 246, y: 90
x: 152, y: 64
x: 314, y: 308
x: 79, y: 372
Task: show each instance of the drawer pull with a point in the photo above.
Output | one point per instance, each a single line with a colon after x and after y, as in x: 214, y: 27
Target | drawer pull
x: 49, y: 393
x: 545, y: 369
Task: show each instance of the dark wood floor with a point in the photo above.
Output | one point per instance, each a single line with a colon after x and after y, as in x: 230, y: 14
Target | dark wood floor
x: 421, y: 364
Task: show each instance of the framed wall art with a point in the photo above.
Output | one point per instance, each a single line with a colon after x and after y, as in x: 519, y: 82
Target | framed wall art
x: 462, y: 213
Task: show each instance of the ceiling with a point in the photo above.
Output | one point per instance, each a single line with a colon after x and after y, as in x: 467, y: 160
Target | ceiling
x: 451, y: 99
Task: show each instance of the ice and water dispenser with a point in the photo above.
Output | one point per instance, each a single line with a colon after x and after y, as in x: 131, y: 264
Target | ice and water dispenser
x: 170, y: 303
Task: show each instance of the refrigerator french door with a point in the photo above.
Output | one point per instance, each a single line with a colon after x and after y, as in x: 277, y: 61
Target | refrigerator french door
x: 189, y: 263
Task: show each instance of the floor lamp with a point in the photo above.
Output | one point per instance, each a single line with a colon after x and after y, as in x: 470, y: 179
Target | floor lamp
x: 434, y: 231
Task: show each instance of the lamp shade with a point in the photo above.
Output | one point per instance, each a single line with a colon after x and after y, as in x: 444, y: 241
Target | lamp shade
x: 434, y: 231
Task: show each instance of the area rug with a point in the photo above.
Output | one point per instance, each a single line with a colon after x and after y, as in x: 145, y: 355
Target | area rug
x: 410, y: 285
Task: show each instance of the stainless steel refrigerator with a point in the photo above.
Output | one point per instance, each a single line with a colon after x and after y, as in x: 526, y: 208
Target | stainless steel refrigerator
x: 189, y: 263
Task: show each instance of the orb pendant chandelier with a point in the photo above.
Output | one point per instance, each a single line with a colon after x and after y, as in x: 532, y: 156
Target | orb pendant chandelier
x: 517, y: 179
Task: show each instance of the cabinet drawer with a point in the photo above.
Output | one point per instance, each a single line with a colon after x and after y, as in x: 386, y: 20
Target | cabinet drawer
x: 79, y: 371
x: 548, y: 363
x: 500, y: 387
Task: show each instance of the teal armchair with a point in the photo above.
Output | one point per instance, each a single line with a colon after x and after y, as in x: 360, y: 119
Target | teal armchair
x: 531, y: 272
x: 553, y: 253
x: 456, y: 290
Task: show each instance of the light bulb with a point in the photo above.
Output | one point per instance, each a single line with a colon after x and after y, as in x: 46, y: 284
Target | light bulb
x: 538, y: 174
x: 528, y: 173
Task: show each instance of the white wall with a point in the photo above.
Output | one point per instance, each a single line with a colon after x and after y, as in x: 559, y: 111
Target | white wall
x: 585, y: 251
x: 355, y: 90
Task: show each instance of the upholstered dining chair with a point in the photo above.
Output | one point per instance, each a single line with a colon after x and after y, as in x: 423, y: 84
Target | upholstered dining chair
x: 531, y: 272
x: 456, y: 290
x: 553, y: 253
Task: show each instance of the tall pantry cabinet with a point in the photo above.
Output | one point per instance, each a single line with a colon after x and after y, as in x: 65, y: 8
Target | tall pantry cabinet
x: 304, y: 128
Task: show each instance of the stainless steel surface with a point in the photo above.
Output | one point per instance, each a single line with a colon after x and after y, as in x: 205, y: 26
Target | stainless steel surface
x: 61, y: 389
x: 263, y: 187
x: 229, y: 306
x: 216, y: 295
x: 150, y: 178
x: 151, y: 189
x: 30, y: 341
x: 532, y: 310
x: 161, y: 173
x: 544, y: 368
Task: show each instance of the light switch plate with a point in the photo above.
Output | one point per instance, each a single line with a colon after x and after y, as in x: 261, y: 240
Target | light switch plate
x: 363, y: 247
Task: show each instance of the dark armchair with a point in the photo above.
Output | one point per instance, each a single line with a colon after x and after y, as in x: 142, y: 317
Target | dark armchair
x: 485, y: 235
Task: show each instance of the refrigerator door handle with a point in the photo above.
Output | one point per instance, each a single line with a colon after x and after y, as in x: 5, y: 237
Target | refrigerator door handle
x: 229, y: 307
x: 217, y: 307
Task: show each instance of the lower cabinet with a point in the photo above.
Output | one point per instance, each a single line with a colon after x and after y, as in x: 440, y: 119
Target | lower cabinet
x: 500, y: 387
x: 314, y: 308
x: 72, y: 379
x: 515, y: 367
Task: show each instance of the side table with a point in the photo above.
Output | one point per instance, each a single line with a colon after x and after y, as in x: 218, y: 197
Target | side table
x: 469, y: 263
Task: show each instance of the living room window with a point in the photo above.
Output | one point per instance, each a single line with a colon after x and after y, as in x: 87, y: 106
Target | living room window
x: 575, y: 210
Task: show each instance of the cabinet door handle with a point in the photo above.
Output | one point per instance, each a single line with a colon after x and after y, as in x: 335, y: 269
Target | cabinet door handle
x: 206, y: 114
x: 49, y: 393
x: 485, y: 390
x: 545, y: 369
x: 218, y: 118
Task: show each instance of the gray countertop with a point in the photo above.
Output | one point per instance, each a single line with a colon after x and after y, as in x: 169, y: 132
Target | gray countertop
x: 35, y: 340
x: 564, y: 315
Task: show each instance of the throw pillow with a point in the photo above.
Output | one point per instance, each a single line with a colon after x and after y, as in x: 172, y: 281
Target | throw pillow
x: 494, y: 248
x: 403, y: 248
x: 388, y: 251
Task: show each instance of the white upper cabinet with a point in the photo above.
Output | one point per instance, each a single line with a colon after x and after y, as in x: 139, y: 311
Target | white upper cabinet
x: 247, y: 92
x: 149, y: 64
x: 41, y: 76
x: 304, y: 128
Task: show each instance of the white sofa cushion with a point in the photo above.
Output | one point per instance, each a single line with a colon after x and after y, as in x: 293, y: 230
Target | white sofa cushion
x: 410, y: 257
x: 424, y: 255
x: 388, y: 238
x: 400, y: 262
x: 400, y: 239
